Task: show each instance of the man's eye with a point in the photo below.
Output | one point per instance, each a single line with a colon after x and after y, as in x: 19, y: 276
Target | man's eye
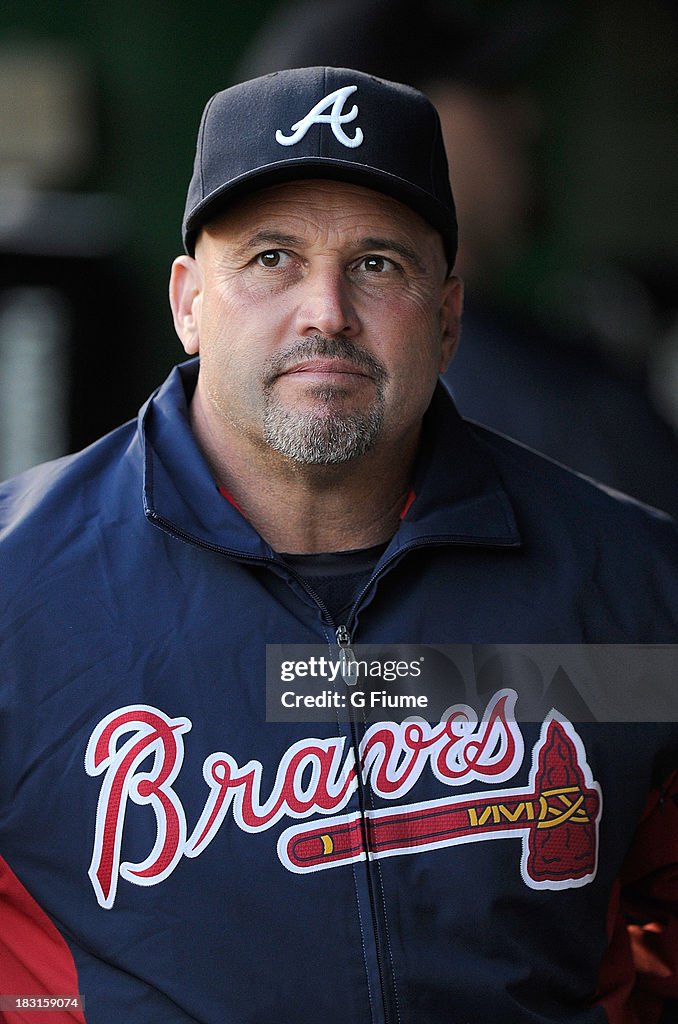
x: 271, y: 258
x: 376, y: 264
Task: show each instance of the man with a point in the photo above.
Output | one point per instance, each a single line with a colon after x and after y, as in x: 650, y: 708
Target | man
x: 308, y: 482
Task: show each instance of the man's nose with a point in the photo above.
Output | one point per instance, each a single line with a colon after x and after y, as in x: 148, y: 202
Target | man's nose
x: 325, y: 305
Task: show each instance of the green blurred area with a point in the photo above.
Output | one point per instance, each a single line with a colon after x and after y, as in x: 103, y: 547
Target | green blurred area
x: 151, y: 65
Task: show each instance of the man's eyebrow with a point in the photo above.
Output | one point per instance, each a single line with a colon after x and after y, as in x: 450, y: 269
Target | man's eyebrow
x: 381, y: 244
x: 263, y: 238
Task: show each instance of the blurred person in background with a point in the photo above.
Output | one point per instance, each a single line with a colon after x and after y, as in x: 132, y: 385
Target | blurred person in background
x: 579, y: 402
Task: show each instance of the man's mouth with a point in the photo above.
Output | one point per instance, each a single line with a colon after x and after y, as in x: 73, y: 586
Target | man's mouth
x: 325, y: 361
x: 324, y: 368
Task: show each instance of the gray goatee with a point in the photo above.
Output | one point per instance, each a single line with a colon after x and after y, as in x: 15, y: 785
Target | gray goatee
x: 323, y: 436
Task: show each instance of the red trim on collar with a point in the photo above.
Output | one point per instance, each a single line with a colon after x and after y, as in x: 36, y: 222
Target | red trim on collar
x: 229, y: 497
x: 408, y: 503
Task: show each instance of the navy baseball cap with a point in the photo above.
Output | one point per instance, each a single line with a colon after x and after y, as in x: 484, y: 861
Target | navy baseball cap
x: 321, y: 123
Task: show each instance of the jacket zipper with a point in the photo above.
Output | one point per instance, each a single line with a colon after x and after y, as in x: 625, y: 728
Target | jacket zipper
x: 349, y: 672
x: 347, y: 658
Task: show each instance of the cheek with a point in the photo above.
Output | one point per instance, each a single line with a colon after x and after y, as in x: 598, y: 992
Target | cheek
x: 409, y: 337
x: 246, y: 326
x: 419, y: 359
x: 220, y: 333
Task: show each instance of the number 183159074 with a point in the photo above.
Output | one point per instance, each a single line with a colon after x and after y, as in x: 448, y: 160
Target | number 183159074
x: 32, y: 1002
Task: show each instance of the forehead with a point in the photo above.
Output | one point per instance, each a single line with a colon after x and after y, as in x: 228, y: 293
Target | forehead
x: 324, y: 205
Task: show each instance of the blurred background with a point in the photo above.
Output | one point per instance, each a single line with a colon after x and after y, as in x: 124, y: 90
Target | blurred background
x: 561, y: 124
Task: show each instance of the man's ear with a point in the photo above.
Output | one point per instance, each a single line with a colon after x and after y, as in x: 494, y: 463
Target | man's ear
x: 185, y: 295
x: 452, y: 302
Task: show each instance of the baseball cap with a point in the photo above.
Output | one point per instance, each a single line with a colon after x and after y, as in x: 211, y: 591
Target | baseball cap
x: 321, y: 122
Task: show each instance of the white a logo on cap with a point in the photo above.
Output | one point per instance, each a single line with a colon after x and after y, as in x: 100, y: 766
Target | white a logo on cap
x: 335, y: 118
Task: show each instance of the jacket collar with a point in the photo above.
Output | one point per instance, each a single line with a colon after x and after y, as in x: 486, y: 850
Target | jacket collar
x: 459, y: 496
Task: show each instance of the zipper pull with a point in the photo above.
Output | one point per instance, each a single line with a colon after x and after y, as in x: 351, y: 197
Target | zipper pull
x: 347, y: 659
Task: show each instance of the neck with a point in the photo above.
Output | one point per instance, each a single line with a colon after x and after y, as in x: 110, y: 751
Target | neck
x: 299, y: 508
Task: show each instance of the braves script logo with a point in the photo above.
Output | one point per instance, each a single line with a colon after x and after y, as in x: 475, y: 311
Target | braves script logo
x: 335, y: 119
x: 139, y: 751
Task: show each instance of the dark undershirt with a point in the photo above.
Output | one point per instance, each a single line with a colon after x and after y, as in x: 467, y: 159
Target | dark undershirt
x: 337, y: 577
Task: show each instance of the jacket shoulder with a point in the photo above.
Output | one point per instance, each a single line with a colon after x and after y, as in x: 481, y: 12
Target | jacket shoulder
x: 48, y: 500
x: 558, y: 497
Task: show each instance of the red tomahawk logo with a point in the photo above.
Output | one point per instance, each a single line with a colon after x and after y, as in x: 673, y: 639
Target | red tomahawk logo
x: 556, y: 818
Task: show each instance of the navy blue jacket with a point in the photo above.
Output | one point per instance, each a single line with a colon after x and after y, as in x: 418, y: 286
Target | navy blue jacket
x: 188, y: 861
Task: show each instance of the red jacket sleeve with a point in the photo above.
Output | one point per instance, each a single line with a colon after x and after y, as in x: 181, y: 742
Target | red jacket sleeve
x: 649, y: 901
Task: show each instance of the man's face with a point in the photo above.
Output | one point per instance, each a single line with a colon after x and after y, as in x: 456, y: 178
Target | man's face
x: 322, y: 315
